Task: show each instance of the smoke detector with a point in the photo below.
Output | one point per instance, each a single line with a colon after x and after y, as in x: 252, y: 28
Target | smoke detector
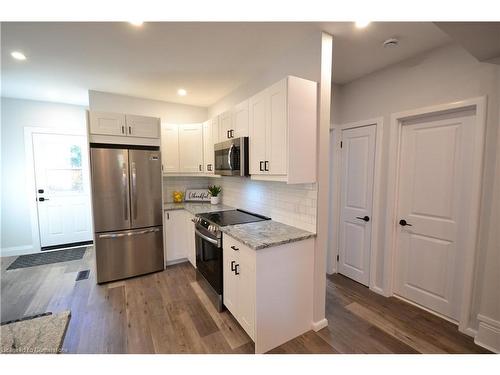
x: 391, y: 43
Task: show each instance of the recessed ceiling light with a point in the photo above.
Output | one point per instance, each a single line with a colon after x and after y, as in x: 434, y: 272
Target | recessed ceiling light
x: 136, y: 23
x: 18, y: 55
x: 362, y: 24
x: 181, y: 92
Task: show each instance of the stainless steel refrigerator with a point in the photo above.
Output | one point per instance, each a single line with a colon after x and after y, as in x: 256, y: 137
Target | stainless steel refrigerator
x: 127, y: 207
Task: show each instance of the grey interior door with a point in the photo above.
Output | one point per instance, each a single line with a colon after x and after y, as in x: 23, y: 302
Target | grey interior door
x: 110, y: 189
x: 145, y: 186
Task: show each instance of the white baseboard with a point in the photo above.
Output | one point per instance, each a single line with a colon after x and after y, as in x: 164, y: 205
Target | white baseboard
x: 176, y: 261
x: 17, y: 250
x: 316, y: 326
x: 488, y: 334
x: 378, y: 290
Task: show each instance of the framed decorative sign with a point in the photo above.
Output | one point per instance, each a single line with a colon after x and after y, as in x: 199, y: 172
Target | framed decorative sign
x: 197, y: 195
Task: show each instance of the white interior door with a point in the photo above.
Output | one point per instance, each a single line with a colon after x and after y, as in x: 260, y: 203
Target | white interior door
x: 435, y: 167
x: 62, y: 189
x: 357, y: 169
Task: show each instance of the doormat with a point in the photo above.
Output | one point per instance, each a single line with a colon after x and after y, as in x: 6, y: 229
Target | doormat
x: 43, y: 334
x: 32, y: 260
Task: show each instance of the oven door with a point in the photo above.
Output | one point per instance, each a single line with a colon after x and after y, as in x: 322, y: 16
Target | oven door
x: 209, y: 257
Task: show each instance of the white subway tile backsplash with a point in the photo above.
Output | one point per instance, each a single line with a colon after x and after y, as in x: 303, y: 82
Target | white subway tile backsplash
x: 289, y: 204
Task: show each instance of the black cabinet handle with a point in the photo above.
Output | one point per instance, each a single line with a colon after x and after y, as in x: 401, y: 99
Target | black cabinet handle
x: 123, y: 129
x: 200, y: 167
x: 42, y: 199
x: 129, y: 130
x: 266, y: 166
x: 365, y: 218
x: 234, y: 248
x: 236, y: 272
x: 232, y: 133
x: 227, y: 134
x: 261, y: 166
x: 209, y: 167
x: 404, y: 223
x: 40, y: 191
x: 232, y: 265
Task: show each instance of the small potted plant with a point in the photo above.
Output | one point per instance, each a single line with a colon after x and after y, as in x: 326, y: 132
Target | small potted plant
x: 214, y: 191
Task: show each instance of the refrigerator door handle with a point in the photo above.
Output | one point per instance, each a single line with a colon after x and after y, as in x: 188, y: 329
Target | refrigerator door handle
x: 125, y: 193
x: 134, y: 190
x: 118, y: 235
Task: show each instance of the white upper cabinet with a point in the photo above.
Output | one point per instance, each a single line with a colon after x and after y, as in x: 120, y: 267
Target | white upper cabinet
x: 170, y: 148
x: 258, y: 116
x: 142, y: 126
x: 226, y: 125
x: 240, y: 120
x: 191, y: 148
x: 107, y: 123
x: 208, y: 147
x: 283, y: 129
x: 119, y: 128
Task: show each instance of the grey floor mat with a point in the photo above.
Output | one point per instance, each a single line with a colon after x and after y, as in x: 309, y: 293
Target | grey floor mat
x: 39, y: 259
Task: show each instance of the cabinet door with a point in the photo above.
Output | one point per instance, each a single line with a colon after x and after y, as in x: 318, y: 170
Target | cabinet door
x: 175, y: 240
x: 107, y: 123
x: 240, y: 120
x: 215, y: 130
x: 246, y: 289
x: 276, y: 135
x: 258, y: 109
x: 189, y: 238
x: 225, y: 124
x: 208, y: 147
x: 191, y: 148
x: 170, y: 148
x: 142, y: 126
x: 230, y: 279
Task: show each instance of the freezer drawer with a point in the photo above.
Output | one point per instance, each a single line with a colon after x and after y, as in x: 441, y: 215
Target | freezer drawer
x: 128, y: 253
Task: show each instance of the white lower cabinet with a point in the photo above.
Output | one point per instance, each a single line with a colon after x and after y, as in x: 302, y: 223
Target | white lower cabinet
x: 239, y: 283
x: 269, y: 291
x: 179, y: 236
x: 190, y: 238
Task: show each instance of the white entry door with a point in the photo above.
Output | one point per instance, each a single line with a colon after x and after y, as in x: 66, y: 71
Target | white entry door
x: 357, y: 168
x: 62, y: 189
x: 434, y: 195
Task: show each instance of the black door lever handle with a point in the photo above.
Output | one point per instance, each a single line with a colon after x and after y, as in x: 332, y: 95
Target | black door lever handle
x: 365, y: 218
x: 404, y: 223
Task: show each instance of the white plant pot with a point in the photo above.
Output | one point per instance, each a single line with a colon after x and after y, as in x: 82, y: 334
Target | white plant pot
x: 215, y: 200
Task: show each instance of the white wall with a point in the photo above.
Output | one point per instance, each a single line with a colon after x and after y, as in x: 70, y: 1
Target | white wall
x: 171, y: 184
x: 440, y: 76
x: 170, y: 113
x: 16, y: 115
x: 302, y: 61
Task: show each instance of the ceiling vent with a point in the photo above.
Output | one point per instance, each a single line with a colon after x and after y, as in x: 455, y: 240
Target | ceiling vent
x: 391, y: 43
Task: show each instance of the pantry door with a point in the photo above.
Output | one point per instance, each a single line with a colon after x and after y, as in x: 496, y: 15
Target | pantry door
x: 356, y: 202
x: 62, y: 190
x: 433, y: 206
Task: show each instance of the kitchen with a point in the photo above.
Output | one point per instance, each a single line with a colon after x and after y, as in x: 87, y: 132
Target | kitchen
x: 239, y: 255
x: 244, y: 203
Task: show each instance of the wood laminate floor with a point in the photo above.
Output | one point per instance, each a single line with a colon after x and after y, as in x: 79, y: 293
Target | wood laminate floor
x: 168, y: 312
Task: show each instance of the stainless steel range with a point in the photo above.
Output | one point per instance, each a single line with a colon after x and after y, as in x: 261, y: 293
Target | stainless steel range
x: 209, y: 248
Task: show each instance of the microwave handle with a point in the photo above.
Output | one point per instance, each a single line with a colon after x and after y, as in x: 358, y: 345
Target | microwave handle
x: 229, y: 155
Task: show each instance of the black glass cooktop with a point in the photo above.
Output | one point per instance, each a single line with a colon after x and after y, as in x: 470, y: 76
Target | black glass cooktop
x: 232, y: 217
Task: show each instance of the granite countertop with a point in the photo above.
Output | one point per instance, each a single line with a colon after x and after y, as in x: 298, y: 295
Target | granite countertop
x: 196, y: 208
x: 263, y: 234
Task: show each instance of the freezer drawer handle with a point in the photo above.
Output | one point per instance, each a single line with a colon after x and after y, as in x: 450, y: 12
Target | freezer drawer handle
x: 117, y: 235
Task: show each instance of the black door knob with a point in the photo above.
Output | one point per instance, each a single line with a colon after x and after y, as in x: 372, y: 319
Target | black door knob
x: 404, y: 223
x: 365, y: 218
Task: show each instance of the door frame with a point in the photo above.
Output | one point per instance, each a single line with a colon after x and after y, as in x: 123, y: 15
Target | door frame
x: 336, y: 134
x: 396, y: 124
x: 30, y: 177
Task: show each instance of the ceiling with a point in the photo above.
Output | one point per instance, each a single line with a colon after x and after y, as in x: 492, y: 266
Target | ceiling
x: 209, y: 60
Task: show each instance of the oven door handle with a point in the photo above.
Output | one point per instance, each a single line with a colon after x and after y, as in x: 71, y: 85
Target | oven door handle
x: 206, y: 238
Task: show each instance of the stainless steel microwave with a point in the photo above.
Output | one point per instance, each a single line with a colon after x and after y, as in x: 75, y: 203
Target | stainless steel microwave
x: 231, y: 157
